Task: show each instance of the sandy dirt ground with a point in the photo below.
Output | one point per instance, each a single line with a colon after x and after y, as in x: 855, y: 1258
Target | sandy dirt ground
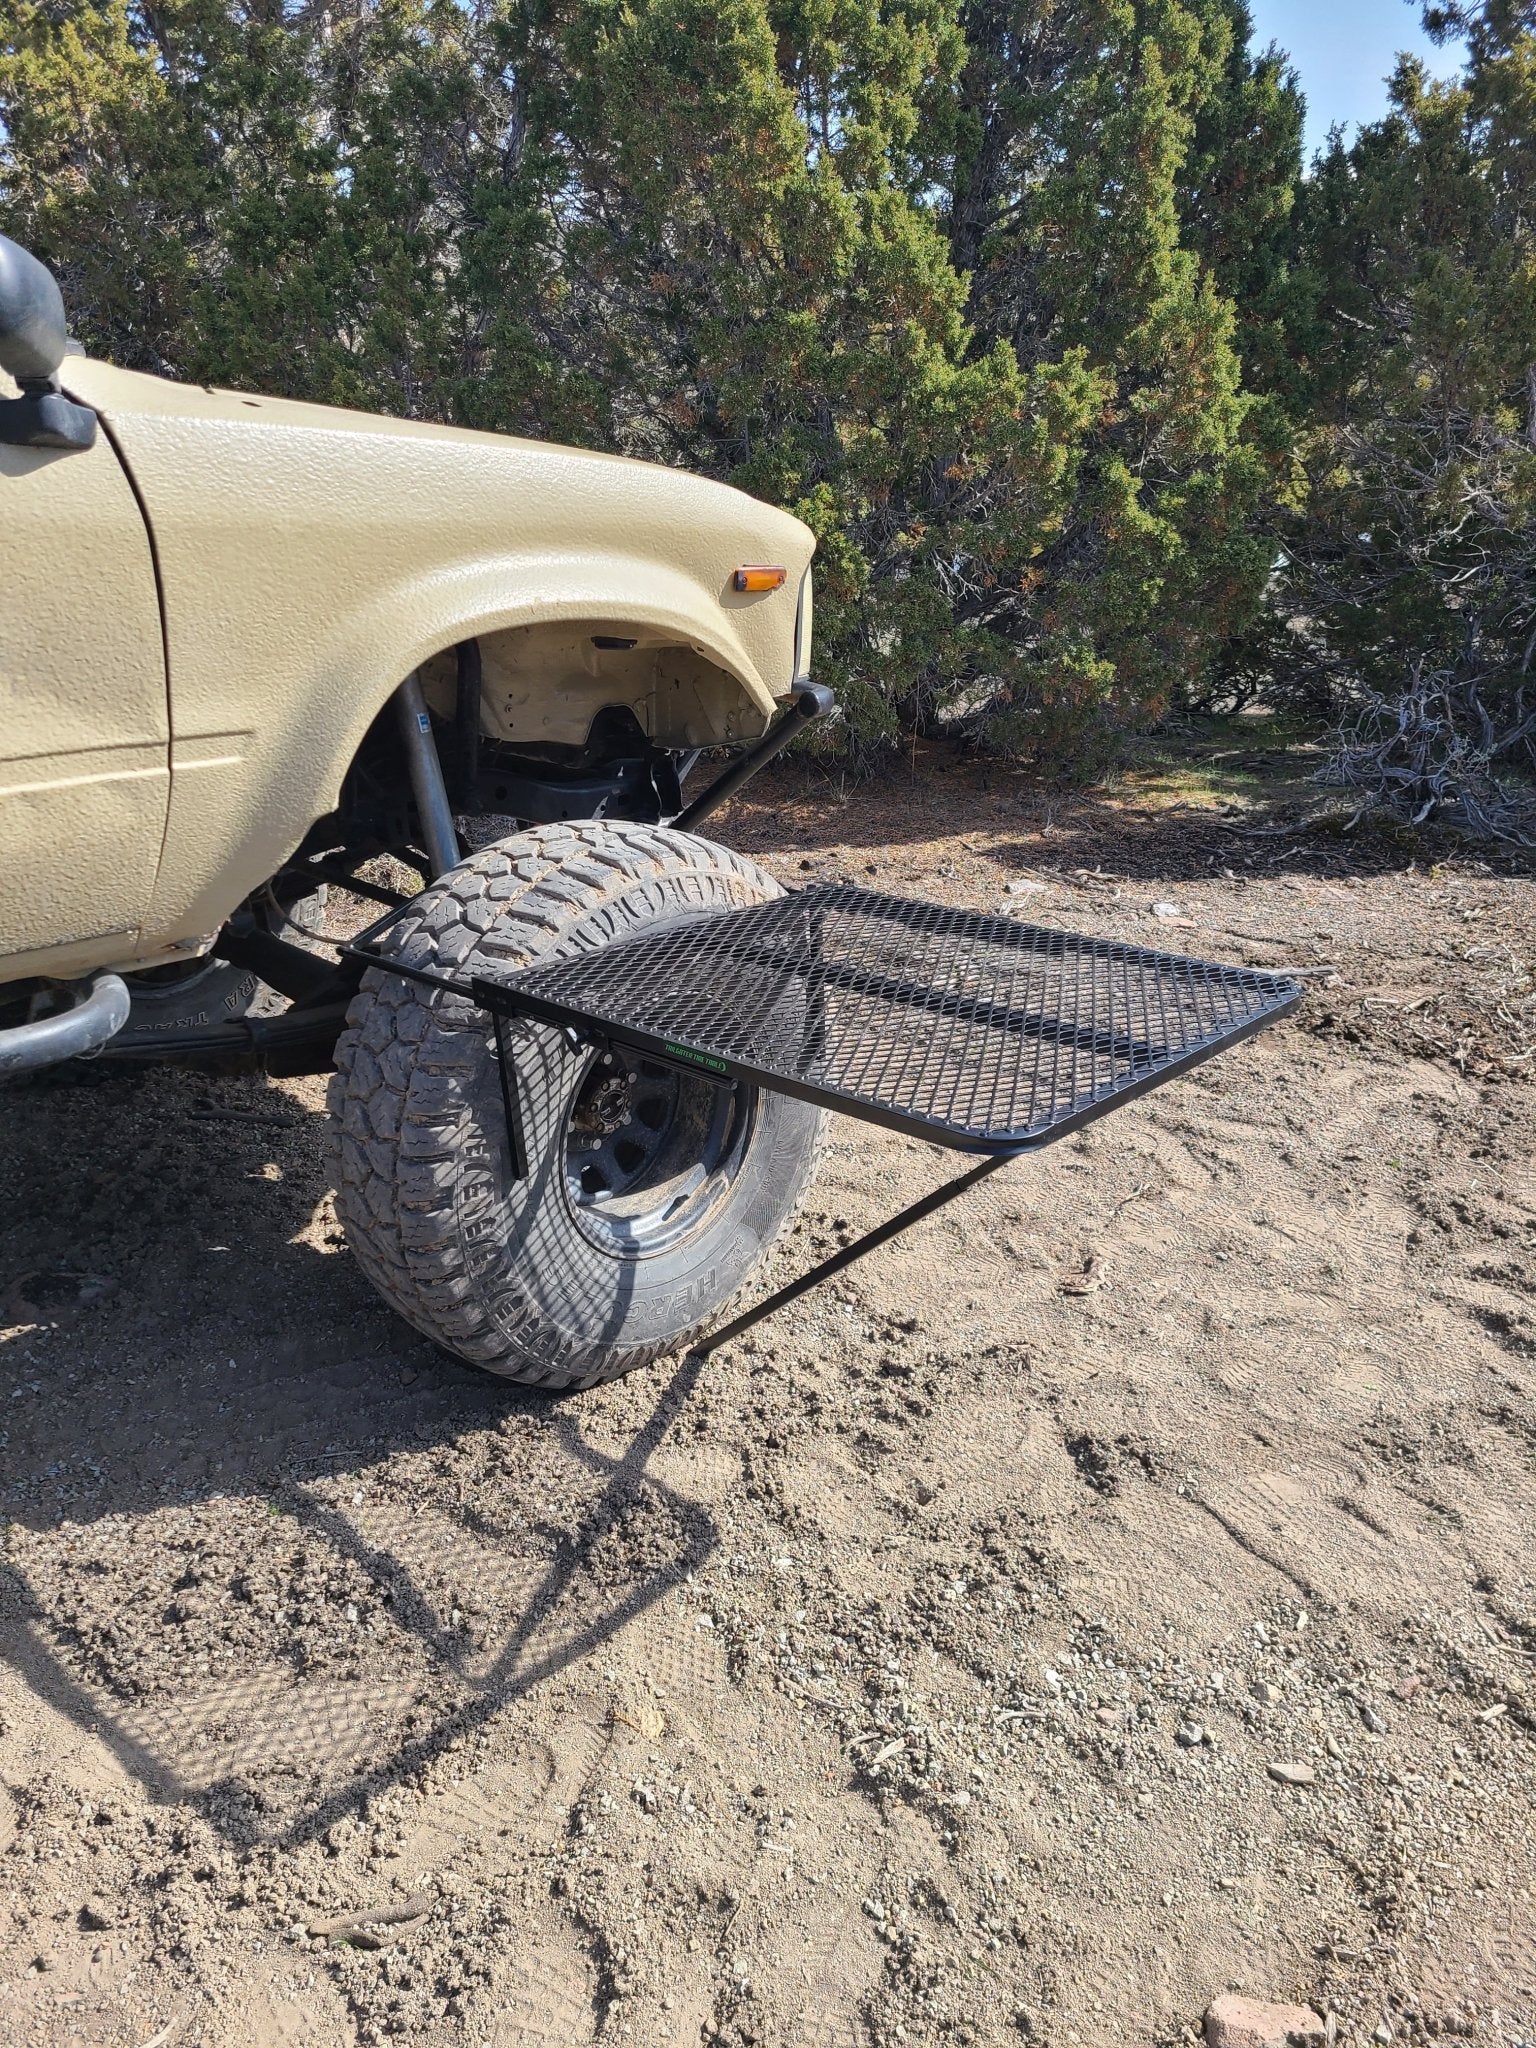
x: 1118, y: 1592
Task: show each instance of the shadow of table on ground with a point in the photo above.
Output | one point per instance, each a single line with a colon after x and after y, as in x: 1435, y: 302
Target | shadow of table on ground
x: 240, y: 1553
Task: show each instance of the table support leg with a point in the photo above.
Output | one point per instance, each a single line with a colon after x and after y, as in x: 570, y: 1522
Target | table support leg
x: 881, y: 1234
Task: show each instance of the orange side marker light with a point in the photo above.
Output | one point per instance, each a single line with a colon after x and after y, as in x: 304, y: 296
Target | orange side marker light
x: 759, y: 579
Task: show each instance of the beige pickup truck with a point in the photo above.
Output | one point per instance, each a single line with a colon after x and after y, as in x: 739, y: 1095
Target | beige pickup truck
x: 249, y: 646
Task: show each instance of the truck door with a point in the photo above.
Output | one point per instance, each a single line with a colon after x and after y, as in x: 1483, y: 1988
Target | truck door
x: 84, y: 733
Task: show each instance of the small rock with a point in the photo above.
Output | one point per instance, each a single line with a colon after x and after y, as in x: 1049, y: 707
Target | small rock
x: 648, y: 1721
x: 1022, y: 888
x: 1405, y: 1688
x: 1372, y: 1719
x: 1166, y: 910
x: 1330, y: 1743
x: 1292, y: 1774
x: 1250, y: 2023
x: 1383, y: 2034
x: 1265, y: 1693
x: 95, y: 1915
x: 1110, y: 1716
x: 1189, y: 1735
x: 1494, y: 1713
x: 925, y: 1494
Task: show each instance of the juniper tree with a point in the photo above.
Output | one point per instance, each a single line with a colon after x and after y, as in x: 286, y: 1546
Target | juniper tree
x: 1414, y: 566
x: 954, y: 282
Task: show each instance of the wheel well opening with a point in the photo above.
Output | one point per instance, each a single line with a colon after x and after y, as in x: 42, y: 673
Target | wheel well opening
x: 544, y: 686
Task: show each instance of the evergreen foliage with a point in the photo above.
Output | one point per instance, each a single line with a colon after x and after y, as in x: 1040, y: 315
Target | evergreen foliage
x: 1412, y: 558
x: 1024, y: 305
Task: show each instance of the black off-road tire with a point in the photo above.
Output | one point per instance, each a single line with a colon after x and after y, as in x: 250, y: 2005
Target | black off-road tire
x: 518, y: 1276
x: 167, y: 1006
x: 170, y: 1003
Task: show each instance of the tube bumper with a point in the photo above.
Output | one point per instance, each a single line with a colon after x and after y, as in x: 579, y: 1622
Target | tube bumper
x: 85, y: 1028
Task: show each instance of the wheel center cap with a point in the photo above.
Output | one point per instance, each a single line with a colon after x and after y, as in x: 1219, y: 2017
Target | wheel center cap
x: 606, y: 1108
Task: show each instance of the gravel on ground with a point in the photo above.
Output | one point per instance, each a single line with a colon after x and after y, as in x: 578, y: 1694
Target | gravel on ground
x: 1116, y: 1595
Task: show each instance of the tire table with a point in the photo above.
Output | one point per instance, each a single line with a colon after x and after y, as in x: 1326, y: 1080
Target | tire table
x: 979, y: 1033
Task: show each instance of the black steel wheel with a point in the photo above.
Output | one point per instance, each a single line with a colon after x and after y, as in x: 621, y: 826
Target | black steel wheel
x: 650, y: 1151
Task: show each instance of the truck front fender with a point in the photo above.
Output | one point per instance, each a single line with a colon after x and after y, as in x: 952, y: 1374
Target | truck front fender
x: 309, y: 559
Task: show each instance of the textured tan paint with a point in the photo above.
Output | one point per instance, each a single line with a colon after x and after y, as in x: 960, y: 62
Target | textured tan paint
x: 84, y: 737
x: 311, y: 558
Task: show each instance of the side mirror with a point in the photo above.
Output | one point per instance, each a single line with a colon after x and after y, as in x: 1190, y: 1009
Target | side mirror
x: 33, y: 334
x: 33, y: 342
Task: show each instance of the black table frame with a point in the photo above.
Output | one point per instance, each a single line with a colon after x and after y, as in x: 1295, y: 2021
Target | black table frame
x: 504, y: 1001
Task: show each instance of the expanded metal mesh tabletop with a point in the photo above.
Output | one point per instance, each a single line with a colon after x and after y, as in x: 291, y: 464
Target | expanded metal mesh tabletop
x: 977, y: 1032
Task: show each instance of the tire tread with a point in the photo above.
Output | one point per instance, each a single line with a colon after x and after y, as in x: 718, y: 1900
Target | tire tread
x: 398, y: 1096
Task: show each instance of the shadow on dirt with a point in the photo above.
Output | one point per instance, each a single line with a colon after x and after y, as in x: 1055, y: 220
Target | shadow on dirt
x: 180, y: 1340
x: 1281, y: 824
x: 196, y: 1380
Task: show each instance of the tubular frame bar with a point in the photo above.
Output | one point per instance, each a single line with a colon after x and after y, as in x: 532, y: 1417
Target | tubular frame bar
x: 433, y: 809
x: 70, y: 1034
x: 809, y: 702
